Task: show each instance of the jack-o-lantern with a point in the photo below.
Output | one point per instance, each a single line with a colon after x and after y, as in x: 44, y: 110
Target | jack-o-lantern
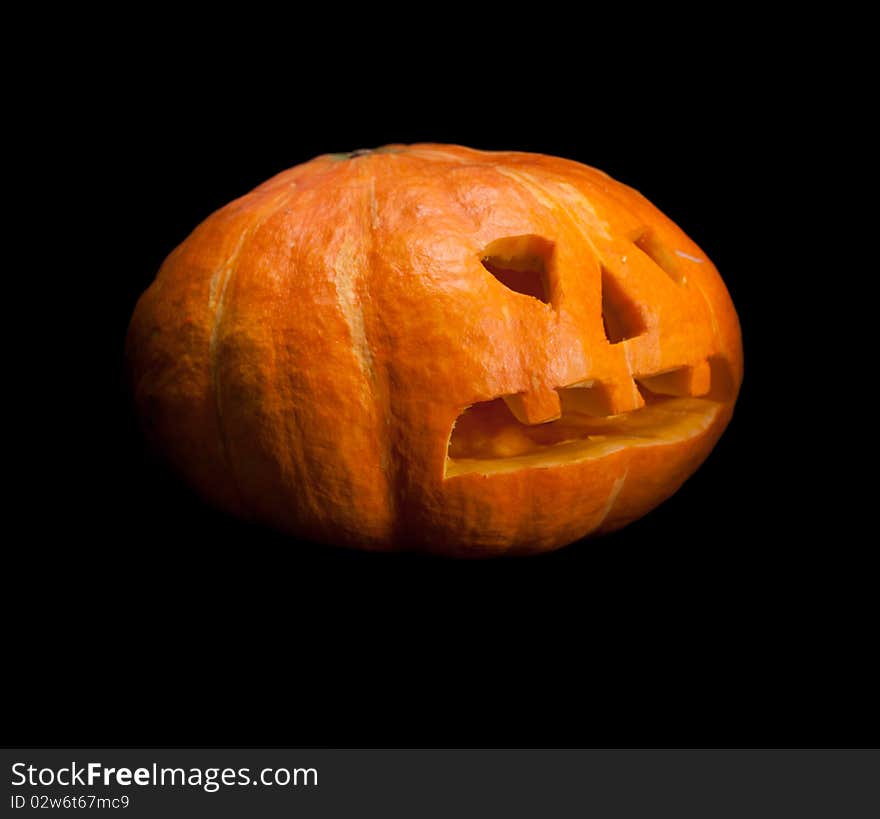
x: 436, y: 348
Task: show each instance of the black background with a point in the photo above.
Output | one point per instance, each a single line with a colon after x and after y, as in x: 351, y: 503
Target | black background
x: 738, y: 613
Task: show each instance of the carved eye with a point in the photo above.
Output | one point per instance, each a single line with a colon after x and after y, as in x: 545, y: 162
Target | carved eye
x: 521, y: 263
x: 646, y: 241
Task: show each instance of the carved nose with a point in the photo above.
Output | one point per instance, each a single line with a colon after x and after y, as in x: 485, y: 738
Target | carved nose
x: 537, y: 406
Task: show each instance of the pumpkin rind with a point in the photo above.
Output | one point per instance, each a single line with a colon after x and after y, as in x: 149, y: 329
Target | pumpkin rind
x: 302, y: 357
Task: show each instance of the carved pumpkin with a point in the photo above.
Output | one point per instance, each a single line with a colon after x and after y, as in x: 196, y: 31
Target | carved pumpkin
x: 437, y: 348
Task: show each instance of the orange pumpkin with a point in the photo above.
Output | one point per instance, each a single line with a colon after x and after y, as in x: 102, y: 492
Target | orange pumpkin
x: 436, y: 348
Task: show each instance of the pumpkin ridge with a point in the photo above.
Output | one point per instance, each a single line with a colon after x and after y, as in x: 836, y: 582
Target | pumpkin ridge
x: 613, y: 495
x: 382, y: 377
x: 716, y: 331
x: 378, y: 338
x: 370, y: 327
x: 231, y: 265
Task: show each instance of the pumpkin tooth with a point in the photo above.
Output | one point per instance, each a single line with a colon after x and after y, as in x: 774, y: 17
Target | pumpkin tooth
x: 683, y: 381
x: 601, y: 399
x: 537, y: 406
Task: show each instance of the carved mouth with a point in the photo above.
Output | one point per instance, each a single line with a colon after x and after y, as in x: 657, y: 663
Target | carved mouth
x: 487, y: 438
x: 548, y: 428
